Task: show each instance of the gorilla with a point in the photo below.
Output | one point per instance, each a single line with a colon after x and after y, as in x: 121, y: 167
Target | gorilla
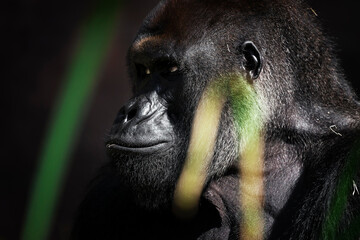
x: 310, y: 127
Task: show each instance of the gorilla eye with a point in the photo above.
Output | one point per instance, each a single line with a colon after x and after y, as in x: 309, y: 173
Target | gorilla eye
x: 171, y: 72
x: 142, y: 71
x: 173, y: 69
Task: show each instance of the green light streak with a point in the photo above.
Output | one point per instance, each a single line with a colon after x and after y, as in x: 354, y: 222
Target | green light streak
x: 246, y: 110
x: 340, y: 198
x: 248, y: 116
x: 78, y: 87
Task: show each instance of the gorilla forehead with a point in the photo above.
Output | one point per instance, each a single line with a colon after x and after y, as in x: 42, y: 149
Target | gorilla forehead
x: 203, y: 32
x: 188, y: 21
x: 214, y: 27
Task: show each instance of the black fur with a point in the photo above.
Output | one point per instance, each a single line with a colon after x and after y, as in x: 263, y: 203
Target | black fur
x: 310, y: 115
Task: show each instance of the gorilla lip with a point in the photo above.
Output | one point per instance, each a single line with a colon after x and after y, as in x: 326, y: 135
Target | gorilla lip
x: 146, y: 148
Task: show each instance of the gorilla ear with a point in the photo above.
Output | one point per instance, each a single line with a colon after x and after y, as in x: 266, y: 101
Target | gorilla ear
x: 253, y: 59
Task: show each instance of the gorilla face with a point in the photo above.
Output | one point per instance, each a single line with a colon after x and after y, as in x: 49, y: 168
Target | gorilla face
x: 170, y: 64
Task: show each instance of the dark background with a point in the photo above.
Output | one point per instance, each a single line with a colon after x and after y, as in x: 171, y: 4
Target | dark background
x: 40, y: 37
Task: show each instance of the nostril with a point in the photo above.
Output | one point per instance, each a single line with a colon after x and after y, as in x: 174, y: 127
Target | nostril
x: 131, y: 114
x: 121, y: 116
x: 137, y: 110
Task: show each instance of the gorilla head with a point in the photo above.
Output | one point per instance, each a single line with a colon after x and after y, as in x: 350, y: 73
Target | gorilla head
x: 275, y: 48
x: 170, y: 64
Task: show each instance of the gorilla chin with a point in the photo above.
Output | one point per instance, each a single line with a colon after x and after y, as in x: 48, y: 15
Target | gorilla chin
x: 147, y: 172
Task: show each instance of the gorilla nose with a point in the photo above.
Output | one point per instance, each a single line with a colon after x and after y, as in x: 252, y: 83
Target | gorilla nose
x: 136, y: 111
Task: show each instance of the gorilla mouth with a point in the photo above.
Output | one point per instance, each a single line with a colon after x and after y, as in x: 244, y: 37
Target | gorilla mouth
x: 138, y: 148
